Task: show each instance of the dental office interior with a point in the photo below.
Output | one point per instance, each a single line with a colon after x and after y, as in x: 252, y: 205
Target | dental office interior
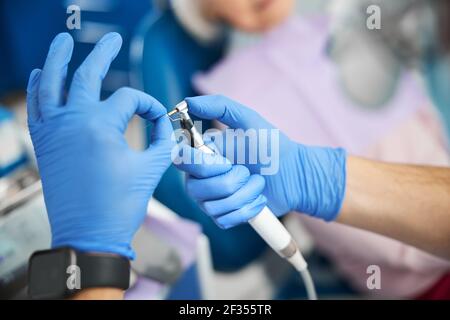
x: 350, y: 73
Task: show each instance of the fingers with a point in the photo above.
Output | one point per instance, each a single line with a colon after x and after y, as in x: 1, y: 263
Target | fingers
x: 218, y: 187
x: 87, y: 80
x: 53, y: 77
x: 32, y: 96
x: 226, y: 111
x: 126, y: 102
x: 230, y: 198
x: 243, y: 214
x: 200, y: 164
x: 239, y: 199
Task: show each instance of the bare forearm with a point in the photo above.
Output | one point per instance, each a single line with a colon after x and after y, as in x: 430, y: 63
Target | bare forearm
x: 100, y: 294
x: 408, y: 203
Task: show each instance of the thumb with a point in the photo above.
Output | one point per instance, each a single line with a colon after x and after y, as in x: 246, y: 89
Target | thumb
x: 227, y: 111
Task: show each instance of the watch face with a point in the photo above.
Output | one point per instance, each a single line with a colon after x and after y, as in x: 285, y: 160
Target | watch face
x: 47, y: 274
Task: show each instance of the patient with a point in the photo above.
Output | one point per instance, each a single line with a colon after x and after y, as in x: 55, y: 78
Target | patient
x: 206, y: 19
x: 413, y: 135
x: 248, y: 15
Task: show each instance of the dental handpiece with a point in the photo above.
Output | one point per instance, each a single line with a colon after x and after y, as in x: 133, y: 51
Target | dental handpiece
x: 266, y: 224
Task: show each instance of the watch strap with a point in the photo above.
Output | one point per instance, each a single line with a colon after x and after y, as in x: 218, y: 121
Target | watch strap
x: 103, y: 270
x: 62, y: 272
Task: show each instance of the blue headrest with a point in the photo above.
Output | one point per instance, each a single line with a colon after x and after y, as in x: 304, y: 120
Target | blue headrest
x: 165, y: 57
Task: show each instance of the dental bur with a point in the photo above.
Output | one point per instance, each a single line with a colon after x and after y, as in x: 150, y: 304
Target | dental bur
x: 266, y: 224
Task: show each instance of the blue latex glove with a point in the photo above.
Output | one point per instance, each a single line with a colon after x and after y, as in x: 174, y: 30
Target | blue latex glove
x: 309, y: 179
x: 96, y: 188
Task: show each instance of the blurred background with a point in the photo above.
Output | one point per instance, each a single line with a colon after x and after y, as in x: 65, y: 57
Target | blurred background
x: 372, y: 76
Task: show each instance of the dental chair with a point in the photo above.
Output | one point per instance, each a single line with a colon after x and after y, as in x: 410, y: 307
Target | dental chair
x: 164, y: 59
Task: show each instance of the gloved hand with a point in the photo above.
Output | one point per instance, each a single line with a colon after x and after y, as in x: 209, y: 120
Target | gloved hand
x: 298, y: 178
x: 96, y: 188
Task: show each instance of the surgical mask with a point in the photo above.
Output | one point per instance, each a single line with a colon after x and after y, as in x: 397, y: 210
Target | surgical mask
x: 437, y: 76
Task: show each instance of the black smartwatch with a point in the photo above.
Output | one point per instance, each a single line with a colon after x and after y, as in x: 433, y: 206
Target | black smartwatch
x: 60, y: 273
